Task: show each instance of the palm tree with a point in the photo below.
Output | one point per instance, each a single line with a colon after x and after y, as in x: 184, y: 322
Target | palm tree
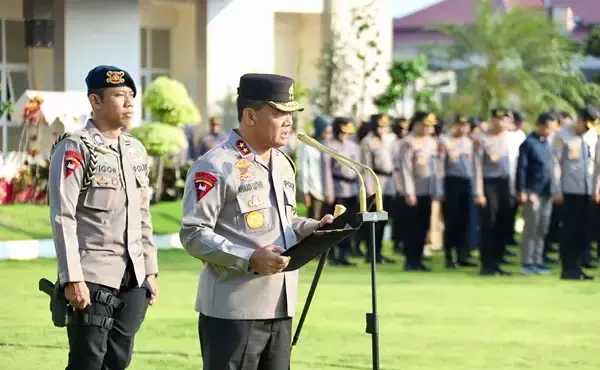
x: 517, y: 57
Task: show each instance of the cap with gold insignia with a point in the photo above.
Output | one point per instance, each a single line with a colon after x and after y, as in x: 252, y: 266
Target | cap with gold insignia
x: 429, y: 119
x: 103, y: 76
x: 590, y: 115
x: 275, y: 90
x: 380, y: 120
x: 342, y: 124
x: 500, y: 112
x: 461, y: 118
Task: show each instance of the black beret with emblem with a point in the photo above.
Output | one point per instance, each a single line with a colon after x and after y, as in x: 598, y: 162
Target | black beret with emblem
x: 589, y: 114
x: 275, y: 90
x: 102, y: 77
x: 500, y: 112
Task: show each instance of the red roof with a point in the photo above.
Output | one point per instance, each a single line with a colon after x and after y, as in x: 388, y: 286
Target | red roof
x: 587, y: 10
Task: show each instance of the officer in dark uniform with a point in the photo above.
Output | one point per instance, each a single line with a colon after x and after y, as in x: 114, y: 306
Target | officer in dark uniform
x: 573, y: 170
x: 457, y: 161
x: 99, y: 212
x: 400, y: 127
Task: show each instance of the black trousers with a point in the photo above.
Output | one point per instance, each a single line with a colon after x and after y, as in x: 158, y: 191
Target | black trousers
x: 510, y: 231
x: 379, y: 231
x: 495, y: 218
x: 420, y: 216
x: 574, y: 234
x: 92, y: 347
x: 400, y: 220
x: 345, y: 246
x: 457, y: 210
x: 245, y: 344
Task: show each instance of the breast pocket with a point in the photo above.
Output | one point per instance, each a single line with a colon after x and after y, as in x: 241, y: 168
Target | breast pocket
x: 101, y: 194
x: 256, y: 212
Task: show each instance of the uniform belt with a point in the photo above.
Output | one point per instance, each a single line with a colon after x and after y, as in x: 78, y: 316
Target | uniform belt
x: 382, y: 173
x: 109, y: 299
x: 344, y: 178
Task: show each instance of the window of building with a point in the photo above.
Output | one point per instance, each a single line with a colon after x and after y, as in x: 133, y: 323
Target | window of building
x: 155, y: 56
x: 14, y: 70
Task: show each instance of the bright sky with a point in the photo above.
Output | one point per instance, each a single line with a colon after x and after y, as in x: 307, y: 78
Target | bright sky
x: 401, y: 8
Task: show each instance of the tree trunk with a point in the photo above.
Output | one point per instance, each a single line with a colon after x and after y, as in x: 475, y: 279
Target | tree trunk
x: 159, y: 179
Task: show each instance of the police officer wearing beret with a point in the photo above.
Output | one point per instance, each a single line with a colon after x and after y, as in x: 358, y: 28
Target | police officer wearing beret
x: 239, y: 214
x: 574, y: 186
x: 99, y: 212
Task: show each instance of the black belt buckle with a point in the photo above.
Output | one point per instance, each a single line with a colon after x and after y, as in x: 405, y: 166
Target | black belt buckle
x: 109, y: 299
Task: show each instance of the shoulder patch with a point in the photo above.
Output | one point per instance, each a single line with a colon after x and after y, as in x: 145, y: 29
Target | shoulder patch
x: 203, y: 182
x: 289, y: 160
x: 73, y: 160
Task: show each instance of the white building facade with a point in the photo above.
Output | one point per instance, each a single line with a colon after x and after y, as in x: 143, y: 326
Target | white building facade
x: 206, y: 44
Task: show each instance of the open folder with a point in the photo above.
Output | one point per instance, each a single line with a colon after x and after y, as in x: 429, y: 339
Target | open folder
x: 324, y: 238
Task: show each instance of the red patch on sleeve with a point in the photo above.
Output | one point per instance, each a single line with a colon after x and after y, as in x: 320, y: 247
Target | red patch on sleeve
x: 73, y: 160
x: 204, y: 182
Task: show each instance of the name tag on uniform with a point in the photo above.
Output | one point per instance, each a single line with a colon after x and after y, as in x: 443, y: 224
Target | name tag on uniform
x: 454, y: 155
x: 421, y: 160
x: 494, y: 157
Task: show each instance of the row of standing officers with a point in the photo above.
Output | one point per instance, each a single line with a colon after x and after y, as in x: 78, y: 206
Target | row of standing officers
x: 554, y: 166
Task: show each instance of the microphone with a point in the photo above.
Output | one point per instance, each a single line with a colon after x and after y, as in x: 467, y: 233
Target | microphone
x: 362, y: 192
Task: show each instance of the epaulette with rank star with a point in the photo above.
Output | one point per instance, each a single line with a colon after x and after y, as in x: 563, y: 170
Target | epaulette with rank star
x: 242, y: 148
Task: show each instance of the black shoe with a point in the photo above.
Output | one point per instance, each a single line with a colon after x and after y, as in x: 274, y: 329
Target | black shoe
x: 501, y: 272
x: 550, y: 261
x: 466, y: 264
x: 345, y: 262
x: 408, y: 267
x: 575, y: 276
x: 424, y: 268
x: 488, y: 272
x: 451, y: 265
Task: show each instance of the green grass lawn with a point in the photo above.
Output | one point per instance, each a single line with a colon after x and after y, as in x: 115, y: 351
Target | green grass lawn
x: 442, y: 320
x: 30, y: 221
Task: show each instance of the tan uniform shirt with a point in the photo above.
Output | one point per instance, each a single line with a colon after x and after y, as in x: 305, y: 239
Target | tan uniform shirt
x: 96, y: 232
x: 234, y: 203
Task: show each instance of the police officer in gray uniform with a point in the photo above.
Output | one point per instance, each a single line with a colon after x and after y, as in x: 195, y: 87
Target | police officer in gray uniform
x: 376, y: 153
x: 573, y: 172
x: 239, y: 214
x: 340, y: 182
x: 99, y: 212
x: 458, y: 165
x: 211, y: 138
x: 421, y: 183
x: 492, y: 189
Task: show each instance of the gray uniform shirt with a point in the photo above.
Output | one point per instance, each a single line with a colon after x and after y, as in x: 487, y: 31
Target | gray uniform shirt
x: 234, y: 203
x: 377, y: 154
x: 340, y: 181
x: 96, y: 232
x: 209, y: 140
x: 573, y: 164
x: 457, y: 157
x: 491, y: 159
x: 420, y: 166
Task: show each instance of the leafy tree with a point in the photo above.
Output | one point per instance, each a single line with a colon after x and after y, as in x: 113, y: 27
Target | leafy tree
x: 367, y: 51
x: 334, y: 86
x: 168, y: 102
x: 592, y: 44
x: 404, y: 75
x: 517, y: 54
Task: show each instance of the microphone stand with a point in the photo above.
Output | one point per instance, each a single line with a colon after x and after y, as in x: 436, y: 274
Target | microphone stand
x: 364, y: 216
